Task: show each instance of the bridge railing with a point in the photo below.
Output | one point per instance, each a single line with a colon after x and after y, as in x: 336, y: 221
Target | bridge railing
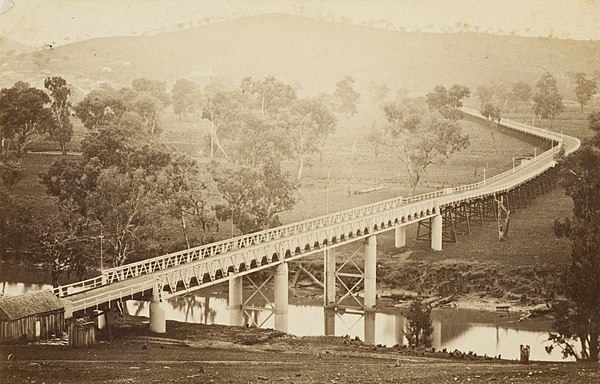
x: 227, y: 245
x: 116, y: 294
x: 197, y: 253
x: 79, y: 286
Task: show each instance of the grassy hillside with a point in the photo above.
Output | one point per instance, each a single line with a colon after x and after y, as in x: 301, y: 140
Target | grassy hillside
x: 311, y: 53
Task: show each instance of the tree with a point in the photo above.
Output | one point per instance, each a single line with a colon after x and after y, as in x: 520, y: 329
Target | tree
x: 11, y: 172
x: 485, y: 94
x: 189, y: 193
x: 129, y: 209
x: 447, y: 101
x: 594, y: 124
x: 491, y: 112
x: 418, y: 138
x: 153, y: 87
x: 420, y: 327
x: 584, y: 88
x: 24, y: 115
x: 62, y: 129
x: 100, y: 107
x: 577, y: 318
x: 63, y: 244
x: 185, y: 95
x: 309, y: 124
x: 117, y: 183
x: 379, y: 91
x: 222, y: 111
x: 547, y: 102
x: 520, y: 93
x: 270, y: 95
x: 254, y: 197
x: 218, y: 84
x: 15, y: 226
x: 148, y: 108
x: 346, y: 96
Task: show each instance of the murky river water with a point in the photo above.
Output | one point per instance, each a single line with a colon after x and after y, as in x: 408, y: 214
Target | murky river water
x: 485, y: 333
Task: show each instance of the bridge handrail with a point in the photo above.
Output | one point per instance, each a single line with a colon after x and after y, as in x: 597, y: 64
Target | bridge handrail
x: 227, y: 245
x: 84, y: 285
x: 115, y: 294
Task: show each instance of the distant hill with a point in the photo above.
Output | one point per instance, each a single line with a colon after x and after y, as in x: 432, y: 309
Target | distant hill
x: 9, y: 47
x: 315, y: 54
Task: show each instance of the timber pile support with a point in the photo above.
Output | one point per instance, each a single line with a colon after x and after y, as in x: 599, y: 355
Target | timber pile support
x: 458, y: 219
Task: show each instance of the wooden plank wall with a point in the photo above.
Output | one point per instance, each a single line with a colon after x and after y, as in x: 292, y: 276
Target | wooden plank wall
x: 82, y: 334
x: 50, y: 324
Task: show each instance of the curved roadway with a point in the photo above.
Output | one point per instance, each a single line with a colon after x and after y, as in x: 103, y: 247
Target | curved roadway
x: 307, y: 236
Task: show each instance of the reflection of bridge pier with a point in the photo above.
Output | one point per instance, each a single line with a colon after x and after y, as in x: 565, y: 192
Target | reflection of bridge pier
x: 369, y: 327
x: 329, y: 321
x: 368, y: 317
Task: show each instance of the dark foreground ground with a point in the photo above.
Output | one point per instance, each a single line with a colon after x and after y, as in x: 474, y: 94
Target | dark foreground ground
x: 217, y: 354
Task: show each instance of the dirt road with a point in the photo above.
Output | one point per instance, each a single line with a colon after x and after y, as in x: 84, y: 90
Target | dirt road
x: 217, y: 354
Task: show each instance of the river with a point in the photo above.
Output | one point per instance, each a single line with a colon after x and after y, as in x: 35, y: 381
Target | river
x: 485, y: 333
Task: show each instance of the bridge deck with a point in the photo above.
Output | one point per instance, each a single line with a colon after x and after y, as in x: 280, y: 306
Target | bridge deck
x: 210, y: 264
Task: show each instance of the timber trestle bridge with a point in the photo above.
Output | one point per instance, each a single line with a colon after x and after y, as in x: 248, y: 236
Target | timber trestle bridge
x: 440, y: 215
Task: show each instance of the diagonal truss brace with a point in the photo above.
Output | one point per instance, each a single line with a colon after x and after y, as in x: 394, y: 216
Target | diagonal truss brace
x: 354, y: 278
x: 248, y: 310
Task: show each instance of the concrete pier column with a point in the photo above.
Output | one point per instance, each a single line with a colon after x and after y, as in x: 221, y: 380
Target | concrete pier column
x: 400, y: 237
x: 370, y: 327
x: 236, y: 300
x: 329, y: 318
x: 330, y: 268
x: 370, y: 272
x: 436, y: 230
x: 281, y: 297
x: 158, y: 323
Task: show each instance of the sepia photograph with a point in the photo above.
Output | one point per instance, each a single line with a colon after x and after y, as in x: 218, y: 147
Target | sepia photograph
x: 299, y: 191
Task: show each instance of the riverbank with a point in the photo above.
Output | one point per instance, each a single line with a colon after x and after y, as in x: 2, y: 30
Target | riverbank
x: 218, y: 354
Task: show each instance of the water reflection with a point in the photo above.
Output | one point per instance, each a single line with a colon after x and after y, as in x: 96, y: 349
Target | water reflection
x: 481, y: 332
x: 14, y: 289
x: 452, y: 328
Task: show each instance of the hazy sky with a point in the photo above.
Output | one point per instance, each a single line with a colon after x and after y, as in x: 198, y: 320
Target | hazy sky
x: 57, y: 22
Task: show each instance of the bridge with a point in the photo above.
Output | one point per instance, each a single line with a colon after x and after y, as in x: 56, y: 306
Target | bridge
x: 440, y: 215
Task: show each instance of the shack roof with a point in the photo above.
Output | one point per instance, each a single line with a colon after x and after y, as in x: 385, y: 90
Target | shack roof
x: 17, y: 307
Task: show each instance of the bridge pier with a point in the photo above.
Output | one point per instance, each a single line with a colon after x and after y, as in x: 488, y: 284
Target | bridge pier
x: 370, y: 294
x: 330, y: 270
x: 236, y: 301
x: 436, y: 230
x: 400, y: 237
x: 158, y: 323
x: 281, y: 297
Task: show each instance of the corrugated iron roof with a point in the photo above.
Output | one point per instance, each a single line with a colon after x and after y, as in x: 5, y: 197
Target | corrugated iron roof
x: 17, y: 307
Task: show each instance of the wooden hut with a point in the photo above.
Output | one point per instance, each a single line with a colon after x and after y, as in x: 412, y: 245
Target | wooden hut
x: 82, y: 333
x: 33, y: 316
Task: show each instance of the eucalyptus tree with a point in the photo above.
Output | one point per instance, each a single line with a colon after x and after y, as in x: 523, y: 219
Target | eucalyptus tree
x: 418, y: 137
x: 25, y: 115
x: 547, y: 101
x: 61, y: 130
